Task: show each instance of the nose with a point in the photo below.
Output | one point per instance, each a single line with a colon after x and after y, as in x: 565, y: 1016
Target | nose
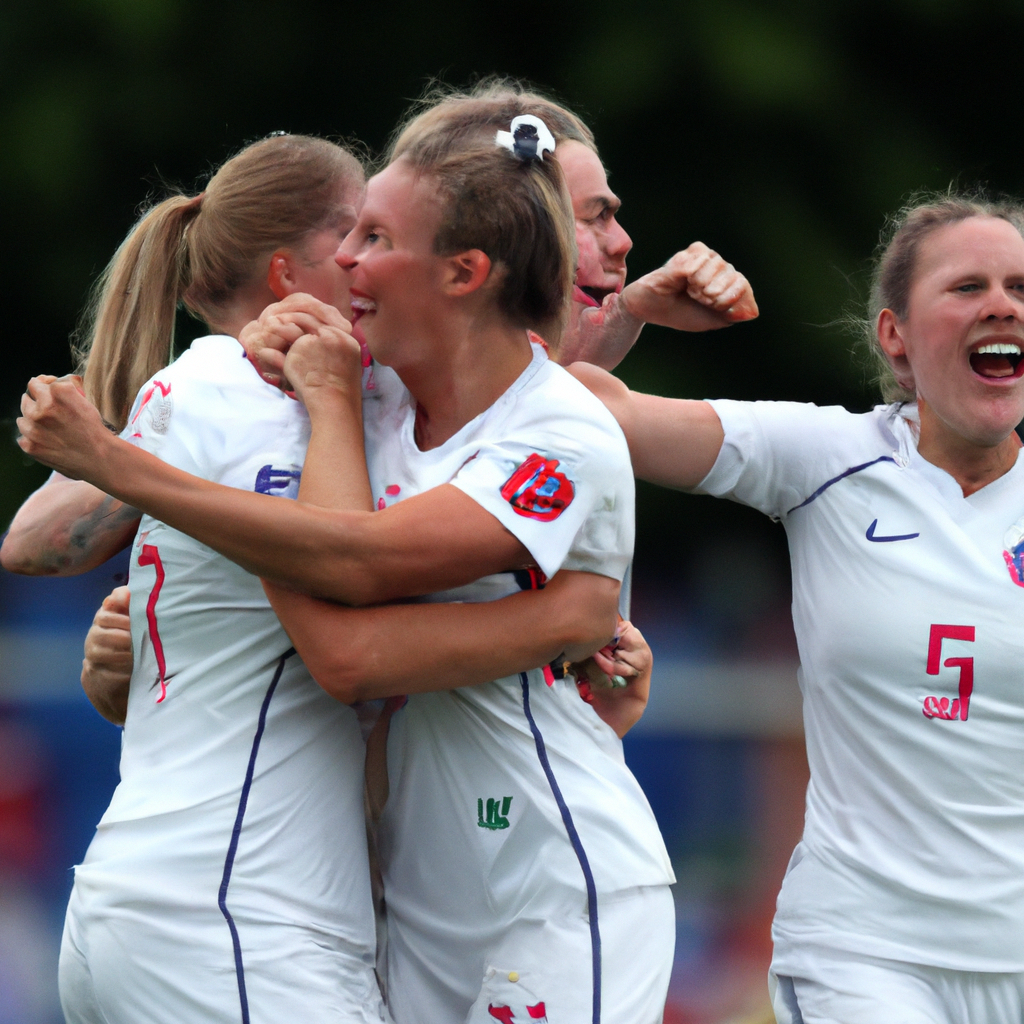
x: 618, y: 241
x: 1003, y: 304
x: 345, y: 257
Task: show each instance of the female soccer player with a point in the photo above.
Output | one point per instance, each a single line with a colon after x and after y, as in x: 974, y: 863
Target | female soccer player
x: 215, y: 887
x: 905, y: 898
x: 502, y: 794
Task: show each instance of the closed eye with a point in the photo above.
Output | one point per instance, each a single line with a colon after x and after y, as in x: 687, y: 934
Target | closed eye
x: 604, y: 217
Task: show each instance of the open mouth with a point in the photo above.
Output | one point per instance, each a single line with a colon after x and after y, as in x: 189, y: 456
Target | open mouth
x: 590, y: 295
x: 997, y: 360
x: 361, y: 305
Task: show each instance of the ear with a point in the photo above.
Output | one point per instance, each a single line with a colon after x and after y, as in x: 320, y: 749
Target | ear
x: 281, y: 274
x: 466, y: 272
x: 890, y: 338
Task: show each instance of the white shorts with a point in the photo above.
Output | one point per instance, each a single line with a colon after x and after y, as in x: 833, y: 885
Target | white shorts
x: 852, y: 989
x: 543, y: 970
x: 145, y: 963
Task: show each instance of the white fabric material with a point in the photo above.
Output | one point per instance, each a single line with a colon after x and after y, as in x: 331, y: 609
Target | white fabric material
x: 472, y: 838
x: 913, y: 847
x: 849, y: 989
x: 146, y: 896
x: 637, y: 945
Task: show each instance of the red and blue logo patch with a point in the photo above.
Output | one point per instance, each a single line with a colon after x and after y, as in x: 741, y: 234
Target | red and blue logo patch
x: 537, y: 490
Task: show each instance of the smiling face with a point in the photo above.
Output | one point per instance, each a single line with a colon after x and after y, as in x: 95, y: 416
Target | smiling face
x: 962, y: 339
x: 601, y: 240
x: 389, y: 263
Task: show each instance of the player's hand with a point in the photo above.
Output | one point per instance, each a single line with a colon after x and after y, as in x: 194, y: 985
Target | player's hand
x: 268, y: 339
x: 601, y: 335
x: 61, y: 428
x: 324, y: 363
x: 107, y: 667
x: 696, y: 290
x: 616, y: 681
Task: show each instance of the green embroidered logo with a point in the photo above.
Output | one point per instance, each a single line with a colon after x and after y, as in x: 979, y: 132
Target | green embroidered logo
x: 497, y: 811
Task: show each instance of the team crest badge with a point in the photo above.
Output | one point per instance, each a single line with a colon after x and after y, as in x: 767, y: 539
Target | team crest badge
x: 156, y: 402
x: 1013, y: 552
x: 537, y: 490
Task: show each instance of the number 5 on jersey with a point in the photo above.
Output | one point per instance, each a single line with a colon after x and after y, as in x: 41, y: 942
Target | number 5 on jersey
x: 940, y: 707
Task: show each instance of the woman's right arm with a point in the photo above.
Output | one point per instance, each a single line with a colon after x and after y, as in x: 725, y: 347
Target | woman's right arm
x: 673, y: 442
x: 364, y: 653
x: 65, y: 528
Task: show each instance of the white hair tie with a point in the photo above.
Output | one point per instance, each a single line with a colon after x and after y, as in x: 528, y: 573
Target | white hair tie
x: 529, y: 138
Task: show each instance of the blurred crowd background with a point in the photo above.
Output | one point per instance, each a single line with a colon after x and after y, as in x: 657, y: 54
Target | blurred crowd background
x: 780, y: 134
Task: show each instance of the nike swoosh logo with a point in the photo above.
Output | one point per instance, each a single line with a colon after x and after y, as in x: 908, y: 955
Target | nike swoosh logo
x: 885, y: 540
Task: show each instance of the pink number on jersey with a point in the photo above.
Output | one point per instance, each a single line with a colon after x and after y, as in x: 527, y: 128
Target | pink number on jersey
x: 150, y: 556
x: 936, y: 707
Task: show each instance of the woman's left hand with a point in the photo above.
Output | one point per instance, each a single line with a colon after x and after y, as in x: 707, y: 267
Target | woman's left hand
x: 61, y: 428
x: 268, y: 340
x: 696, y: 290
x: 616, y: 681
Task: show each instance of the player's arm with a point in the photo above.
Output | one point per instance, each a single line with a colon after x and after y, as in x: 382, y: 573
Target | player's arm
x: 673, y: 442
x: 362, y: 653
x: 696, y: 290
x: 107, y: 667
x: 65, y: 528
x: 430, y: 542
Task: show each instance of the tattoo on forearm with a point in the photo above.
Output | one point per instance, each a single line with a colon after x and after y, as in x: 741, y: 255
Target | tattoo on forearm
x: 105, y: 517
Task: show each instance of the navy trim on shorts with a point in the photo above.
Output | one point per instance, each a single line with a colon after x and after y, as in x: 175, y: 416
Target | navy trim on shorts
x: 229, y: 861
x: 577, y: 845
x: 845, y: 473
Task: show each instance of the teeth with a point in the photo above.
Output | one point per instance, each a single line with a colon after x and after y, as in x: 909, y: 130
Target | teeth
x: 999, y: 349
x: 366, y: 305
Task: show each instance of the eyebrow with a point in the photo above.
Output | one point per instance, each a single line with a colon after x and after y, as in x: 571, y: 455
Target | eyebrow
x: 598, y: 204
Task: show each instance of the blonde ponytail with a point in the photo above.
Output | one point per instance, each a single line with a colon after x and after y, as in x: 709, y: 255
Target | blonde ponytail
x: 131, y: 317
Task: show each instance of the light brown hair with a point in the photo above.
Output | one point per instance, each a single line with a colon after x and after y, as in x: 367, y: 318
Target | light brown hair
x: 896, y: 260
x: 201, y: 250
x: 516, y: 211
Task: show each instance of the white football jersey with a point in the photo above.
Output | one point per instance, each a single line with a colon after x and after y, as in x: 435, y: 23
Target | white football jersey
x: 510, y: 798
x: 908, y: 603
x: 231, y: 751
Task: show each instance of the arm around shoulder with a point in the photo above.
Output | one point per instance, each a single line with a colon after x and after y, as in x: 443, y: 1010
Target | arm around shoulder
x: 673, y: 442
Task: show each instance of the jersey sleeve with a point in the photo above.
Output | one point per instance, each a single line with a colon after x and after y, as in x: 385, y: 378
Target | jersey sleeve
x: 164, y: 421
x: 566, y: 494
x: 776, y: 454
